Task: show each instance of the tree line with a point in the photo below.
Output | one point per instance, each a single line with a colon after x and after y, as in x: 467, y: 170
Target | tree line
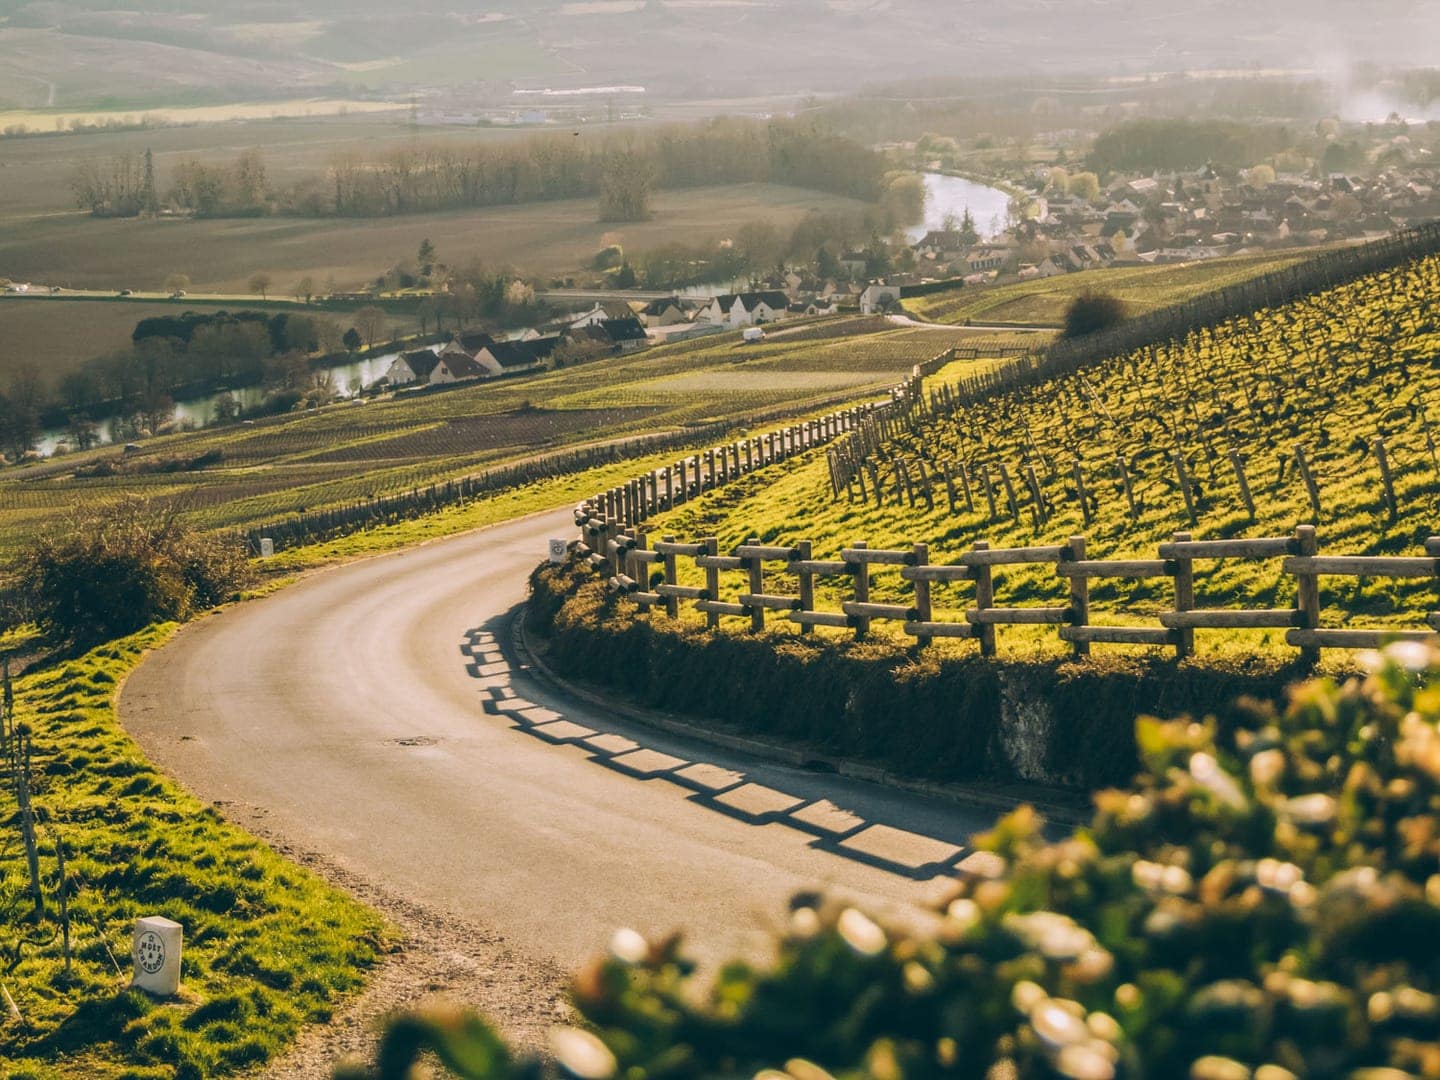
x: 421, y: 177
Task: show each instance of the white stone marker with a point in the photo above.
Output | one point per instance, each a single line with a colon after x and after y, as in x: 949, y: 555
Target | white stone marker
x: 156, y: 952
x: 267, y: 547
x: 558, y: 549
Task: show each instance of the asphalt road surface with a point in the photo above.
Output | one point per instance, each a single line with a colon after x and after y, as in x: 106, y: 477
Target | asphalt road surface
x: 377, y: 713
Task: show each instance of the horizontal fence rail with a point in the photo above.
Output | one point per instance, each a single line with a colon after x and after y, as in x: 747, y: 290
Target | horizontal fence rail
x: 779, y: 582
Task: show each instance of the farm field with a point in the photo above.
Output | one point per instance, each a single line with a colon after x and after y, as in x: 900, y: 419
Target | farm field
x: 60, y: 335
x: 1329, y: 373
x: 1140, y: 288
x: 350, y: 452
x: 73, y: 249
x: 48, y: 120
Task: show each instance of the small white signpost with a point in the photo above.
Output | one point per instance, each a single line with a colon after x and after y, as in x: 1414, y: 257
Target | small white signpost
x: 558, y: 549
x: 267, y: 547
x: 156, y: 952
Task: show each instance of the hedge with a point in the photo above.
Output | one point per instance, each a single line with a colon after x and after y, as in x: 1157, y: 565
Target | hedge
x: 919, y: 714
x: 1262, y: 902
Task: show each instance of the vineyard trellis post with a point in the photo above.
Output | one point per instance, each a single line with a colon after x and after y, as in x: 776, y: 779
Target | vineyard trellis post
x: 1312, y: 490
x: 1388, y: 482
x: 1238, y: 464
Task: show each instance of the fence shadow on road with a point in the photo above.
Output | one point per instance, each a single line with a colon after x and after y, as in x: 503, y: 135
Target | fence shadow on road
x: 839, y: 829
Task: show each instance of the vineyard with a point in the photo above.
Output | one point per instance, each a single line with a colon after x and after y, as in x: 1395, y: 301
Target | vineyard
x: 1318, y: 411
x: 1140, y: 289
x: 241, y: 475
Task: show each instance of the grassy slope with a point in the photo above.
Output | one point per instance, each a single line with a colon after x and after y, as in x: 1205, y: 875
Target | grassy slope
x: 268, y: 946
x: 348, y: 452
x: 1140, y: 288
x: 1330, y: 372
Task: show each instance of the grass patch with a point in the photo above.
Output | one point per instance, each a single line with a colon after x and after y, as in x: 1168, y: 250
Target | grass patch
x: 269, y: 947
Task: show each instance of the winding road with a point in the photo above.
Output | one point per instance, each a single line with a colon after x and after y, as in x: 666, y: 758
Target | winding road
x: 378, y: 713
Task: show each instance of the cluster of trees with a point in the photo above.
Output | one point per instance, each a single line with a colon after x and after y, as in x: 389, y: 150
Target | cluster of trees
x: 621, y: 171
x: 760, y: 248
x: 1144, y: 145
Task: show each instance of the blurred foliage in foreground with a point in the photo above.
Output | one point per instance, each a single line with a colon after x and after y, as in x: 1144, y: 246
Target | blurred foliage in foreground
x: 1262, y: 903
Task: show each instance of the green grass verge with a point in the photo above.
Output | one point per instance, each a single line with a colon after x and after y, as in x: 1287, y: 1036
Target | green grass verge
x: 269, y: 947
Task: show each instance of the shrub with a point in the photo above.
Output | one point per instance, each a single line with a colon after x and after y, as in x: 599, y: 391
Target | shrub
x: 114, y: 569
x: 1261, y: 902
x: 1090, y: 312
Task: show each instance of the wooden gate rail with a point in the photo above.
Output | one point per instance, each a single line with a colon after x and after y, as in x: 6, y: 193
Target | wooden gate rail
x: 623, y: 557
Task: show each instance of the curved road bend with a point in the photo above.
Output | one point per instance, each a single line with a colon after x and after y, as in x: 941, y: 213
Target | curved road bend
x: 377, y: 714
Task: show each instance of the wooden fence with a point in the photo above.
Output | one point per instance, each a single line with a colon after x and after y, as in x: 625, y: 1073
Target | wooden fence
x: 649, y: 575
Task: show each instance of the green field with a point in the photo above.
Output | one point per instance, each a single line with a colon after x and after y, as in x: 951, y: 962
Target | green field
x: 352, y: 451
x: 1042, y: 302
x: 43, y: 238
x: 1329, y: 372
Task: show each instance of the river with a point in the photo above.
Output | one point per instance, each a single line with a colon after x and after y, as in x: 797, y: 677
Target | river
x: 349, y: 379
x: 945, y: 195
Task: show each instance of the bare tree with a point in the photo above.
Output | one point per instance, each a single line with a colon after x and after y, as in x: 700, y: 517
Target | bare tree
x: 260, y: 282
x: 370, y: 321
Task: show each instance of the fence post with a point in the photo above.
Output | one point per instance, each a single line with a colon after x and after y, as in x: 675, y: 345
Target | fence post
x: 989, y: 491
x: 862, y: 593
x: 985, y: 598
x: 672, y: 603
x: 669, y: 502
x: 1307, y: 590
x: 708, y: 479
x: 1079, y: 592
x: 923, y: 610
x: 757, y: 586
x: 712, y: 581
x: 807, y: 585
x: 1184, y: 598
x: 949, y: 487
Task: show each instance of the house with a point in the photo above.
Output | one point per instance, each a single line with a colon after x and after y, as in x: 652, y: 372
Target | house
x: 667, y: 312
x: 1052, y: 266
x: 879, y: 298
x: 940, y: 243
x: 411, y: 367
x: 745, y: 309
x: 627, y: 335
x: 455, y: 367
x: 612, y: 309
x: 508, y: 357
x: 467, y: 344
